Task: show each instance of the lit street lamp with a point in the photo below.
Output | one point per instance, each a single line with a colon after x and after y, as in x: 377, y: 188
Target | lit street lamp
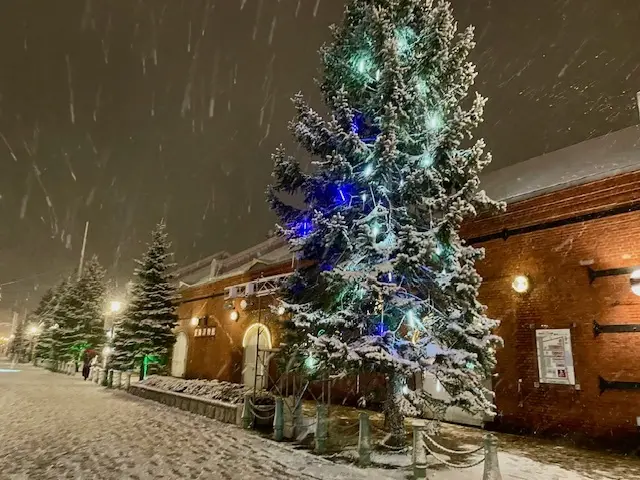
x: 115, y: 306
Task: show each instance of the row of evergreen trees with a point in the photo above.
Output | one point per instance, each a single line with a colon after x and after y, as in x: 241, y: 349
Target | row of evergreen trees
x: 72, y: 314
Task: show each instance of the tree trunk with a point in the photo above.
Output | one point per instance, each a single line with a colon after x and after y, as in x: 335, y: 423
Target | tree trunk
x: 394, y: 419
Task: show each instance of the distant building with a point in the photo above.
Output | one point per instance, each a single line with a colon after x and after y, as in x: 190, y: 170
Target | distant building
x: 227, y: 329
x: 567, y: 243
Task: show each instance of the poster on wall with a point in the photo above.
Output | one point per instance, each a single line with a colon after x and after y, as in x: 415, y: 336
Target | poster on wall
x: 555, y: 358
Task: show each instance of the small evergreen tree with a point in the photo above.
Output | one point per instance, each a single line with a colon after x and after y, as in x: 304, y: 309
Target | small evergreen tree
x: 59, y: 318
x: 42, y: 314
x: 392, y: 288
x: 89, y: 315
x: 17, y: 347
x: 68, y: 319
x: 146, y: 329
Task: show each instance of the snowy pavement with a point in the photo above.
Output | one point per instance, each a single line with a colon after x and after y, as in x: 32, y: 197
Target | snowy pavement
x: 57, y: 427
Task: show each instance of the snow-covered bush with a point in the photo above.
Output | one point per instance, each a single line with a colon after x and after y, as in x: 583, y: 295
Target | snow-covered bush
x: 212, y: 389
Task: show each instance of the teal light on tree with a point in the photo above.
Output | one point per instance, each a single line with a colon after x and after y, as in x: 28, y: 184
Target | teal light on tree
x: 388, y: 285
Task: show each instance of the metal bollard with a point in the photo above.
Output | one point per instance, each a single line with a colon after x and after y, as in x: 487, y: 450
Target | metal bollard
x: 491, y: 466
x: 247, y: 416
x: 322, y: 428
x: 298, y: 418
x: 364, y: 441
x: 109, y: 378
x: 419, y: 451
x: 278, y: 420
x: 127, y: 380
x: 117, y: 379
x: 102, y: 377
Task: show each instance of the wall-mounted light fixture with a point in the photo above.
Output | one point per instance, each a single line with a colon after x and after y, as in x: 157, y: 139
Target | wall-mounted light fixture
x: 281, y: 310
x: 234, y: 315
x: 521, y: 284
x: 244, y: 304
x: 195, y: 321
x: 634, y: 279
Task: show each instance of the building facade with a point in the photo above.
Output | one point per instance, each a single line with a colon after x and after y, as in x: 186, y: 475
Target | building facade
x: 556, y: 274
x: 227, y: 327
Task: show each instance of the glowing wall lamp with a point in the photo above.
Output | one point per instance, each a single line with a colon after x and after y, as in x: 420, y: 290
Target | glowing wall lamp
x: 195, y: 321
x: 521, y: 284
x: 234, y: 315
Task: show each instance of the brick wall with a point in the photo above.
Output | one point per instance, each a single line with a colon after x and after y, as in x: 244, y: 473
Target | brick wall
x: 221, y: 357
x: 555, y: 260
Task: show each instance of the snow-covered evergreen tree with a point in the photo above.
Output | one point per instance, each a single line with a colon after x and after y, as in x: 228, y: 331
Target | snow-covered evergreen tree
x: 17, y: 347
x: 146, y: 329
x: 68, y: 316
x: 43, y: 316
x: 122, y: 345
x: 59, y: 322
x: 89, y: 315
x: 393, y: 288
x: 80, y: 313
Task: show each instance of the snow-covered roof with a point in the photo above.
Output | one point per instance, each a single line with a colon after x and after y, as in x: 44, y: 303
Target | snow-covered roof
x: 274, y: 251
x: 606, y: 156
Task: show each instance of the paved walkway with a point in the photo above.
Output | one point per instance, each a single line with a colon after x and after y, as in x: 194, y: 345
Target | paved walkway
x: 57, y: 427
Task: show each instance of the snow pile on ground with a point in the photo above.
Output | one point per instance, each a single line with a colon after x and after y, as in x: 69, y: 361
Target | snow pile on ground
x: 212, y: 389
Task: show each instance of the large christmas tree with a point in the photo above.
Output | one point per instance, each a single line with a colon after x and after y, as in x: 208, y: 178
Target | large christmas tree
x: 392, y: 288
x: 146, y: 330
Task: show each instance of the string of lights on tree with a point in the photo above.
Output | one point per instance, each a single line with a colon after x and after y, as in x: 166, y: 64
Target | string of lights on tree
x: 393, y: 287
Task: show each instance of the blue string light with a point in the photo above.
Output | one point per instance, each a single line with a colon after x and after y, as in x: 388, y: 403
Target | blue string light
x: 366, y: 130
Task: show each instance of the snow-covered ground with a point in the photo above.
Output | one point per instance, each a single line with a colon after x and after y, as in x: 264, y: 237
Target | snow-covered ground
x: 57, y: 427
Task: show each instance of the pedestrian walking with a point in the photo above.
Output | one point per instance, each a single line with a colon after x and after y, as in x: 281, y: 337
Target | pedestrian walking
x: 86, y: 365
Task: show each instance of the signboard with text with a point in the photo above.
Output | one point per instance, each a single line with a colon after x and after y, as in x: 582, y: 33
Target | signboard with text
x: 555, y: 358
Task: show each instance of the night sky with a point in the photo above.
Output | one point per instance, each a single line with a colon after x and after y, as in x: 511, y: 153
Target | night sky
x: 123, y: 112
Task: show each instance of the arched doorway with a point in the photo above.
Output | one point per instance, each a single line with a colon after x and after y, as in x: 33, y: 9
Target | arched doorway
x: 179, y: 355
x: 256, y: 343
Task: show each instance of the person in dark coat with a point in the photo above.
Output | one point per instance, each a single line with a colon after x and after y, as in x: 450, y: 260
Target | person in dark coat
x: 86, y: 366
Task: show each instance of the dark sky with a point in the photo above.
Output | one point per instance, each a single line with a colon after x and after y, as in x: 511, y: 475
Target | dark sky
x: 122, y: 112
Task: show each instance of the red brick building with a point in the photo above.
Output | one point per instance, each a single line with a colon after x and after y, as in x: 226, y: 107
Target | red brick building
x: 571, y: 360
x: 572, y: 228
x: 225, y: 314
